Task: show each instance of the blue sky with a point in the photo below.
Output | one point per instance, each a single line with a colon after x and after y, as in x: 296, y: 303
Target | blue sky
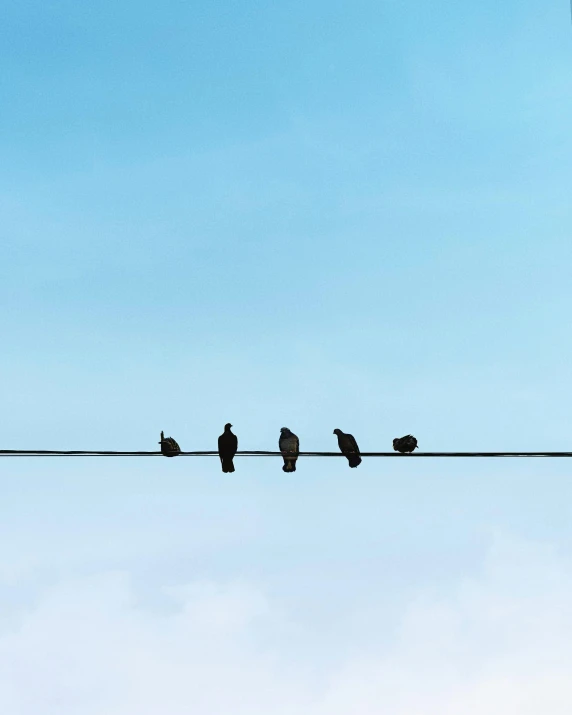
x: 310, y: 214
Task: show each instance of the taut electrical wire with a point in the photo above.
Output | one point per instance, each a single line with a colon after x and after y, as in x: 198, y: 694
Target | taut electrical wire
x: 214, y: 453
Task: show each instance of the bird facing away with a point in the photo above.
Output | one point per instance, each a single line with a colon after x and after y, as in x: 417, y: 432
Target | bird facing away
x: 289, y: 446
x: 405, y: 444
x: 227, y: 446
x: 169, y: 447
x: 349, y: 447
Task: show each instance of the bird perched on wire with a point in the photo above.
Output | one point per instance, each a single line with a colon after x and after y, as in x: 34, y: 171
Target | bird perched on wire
x: 349, y: 447
x: 227, y: 446
x: 169, y: 447
x: 290, y: 447
x: 405, y: 444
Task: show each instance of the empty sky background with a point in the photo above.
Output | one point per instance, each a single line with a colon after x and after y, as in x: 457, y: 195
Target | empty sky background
x: 312, y: 214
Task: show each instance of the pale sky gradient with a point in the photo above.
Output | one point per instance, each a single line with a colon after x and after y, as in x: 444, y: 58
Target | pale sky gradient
x: 309, y: 214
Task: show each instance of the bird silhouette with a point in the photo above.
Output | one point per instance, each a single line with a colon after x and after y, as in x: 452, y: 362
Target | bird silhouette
x: 405, y: 444
x: 289, y: 446
x: 227, y: 446
x: 169, y: 447
x: 349, y: 447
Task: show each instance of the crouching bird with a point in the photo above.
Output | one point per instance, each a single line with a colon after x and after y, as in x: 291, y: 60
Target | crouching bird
x: 169, y: 447
x: 290, y: 447
x: 405, y: 444
x: 227, y: 446
x: 349, y: 447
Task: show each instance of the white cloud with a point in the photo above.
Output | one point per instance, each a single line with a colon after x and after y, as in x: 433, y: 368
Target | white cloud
x: 500, y: 643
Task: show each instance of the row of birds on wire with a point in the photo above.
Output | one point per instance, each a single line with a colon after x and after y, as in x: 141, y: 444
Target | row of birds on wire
x: 289, y: 446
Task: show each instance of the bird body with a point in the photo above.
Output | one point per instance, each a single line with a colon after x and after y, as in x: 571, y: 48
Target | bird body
x: 169, y: 447
x: 405, y: 444
x: 290, y: 447
x: 349, y: 447
x: 227, y: 446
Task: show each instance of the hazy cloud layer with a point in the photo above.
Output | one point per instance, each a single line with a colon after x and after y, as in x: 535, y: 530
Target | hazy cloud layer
x: 500, y: 644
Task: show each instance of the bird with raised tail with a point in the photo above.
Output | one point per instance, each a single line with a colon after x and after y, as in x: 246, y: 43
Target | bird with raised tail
x: 227, y: 446
x: 169, y: 447
x: 405, y: 444
x: 290, y: 447
x: 348, y: 447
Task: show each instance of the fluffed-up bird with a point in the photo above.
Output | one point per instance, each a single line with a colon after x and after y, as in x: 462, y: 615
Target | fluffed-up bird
x: 227, y: 446
x: 349, y: 447
x: 405, y: 444
x: 289, y: 446
x: 169, y: 447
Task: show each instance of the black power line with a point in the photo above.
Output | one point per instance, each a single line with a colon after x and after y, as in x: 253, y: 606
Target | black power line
x: 254, y: 453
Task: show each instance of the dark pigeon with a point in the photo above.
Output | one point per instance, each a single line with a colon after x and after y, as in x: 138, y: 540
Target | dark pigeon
x: 169, y: 447
x: 349, y: 447
x: 405, y: 444
x: 289, y: 446
x: 227, y: 446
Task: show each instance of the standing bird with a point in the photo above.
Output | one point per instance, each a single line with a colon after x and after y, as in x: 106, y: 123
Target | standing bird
x: 349, y: 447
x: 169, y: 447
x: 290, y: 447
x: 227, y: 446
x: 405, y: 444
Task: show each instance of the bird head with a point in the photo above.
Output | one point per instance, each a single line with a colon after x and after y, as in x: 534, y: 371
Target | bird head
x: 284, y: 430
x: 337, y: 431
x: 227, y: 426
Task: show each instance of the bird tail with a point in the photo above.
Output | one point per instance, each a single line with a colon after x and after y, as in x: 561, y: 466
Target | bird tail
x: 227, y: 464
x: 289, y: 465
x: 354, y: 460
